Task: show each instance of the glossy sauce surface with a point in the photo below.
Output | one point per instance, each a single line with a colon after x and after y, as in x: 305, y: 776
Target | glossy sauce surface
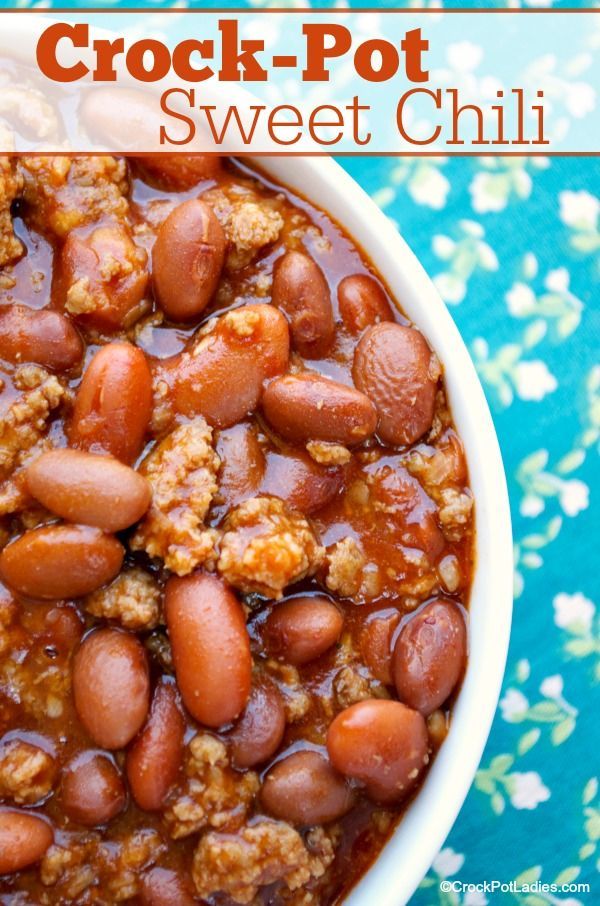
x: 310, y: 527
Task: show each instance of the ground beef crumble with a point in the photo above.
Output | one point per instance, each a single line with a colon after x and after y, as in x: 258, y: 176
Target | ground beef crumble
x: 214, y: 794
x: 22, y: 428
x: 26, y: 772
x: 267, y: 546
x: 64, y: 193
x: 182, y: 471
x: 345, y: 567
x: 249, y: 222
x: 260, y: 854
x: 11, y: 183
x: 133, y: 600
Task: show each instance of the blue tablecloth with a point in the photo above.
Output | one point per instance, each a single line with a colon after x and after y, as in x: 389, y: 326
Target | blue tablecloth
x: 514, y: 248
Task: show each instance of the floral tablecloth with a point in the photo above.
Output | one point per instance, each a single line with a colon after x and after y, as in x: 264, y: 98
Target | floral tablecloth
x: 514, y: 248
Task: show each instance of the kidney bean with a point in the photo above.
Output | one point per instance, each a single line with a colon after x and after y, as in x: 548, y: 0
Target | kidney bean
x: 310, y: 407
x: 305, y: 789
x: 111, y: 686
x: 64, y: 628
x: 103, y: 277
x: 258, y: 733
x: 113, y: 404
x: 362, y: 302
x: 402, y: 498
x: 24, y: 838
x: 242, y: 464
x: 178, y: 171
x: 92, y: 790
x: 376, y: 643
x: 381, y: 743
x: 211, y: 648
x: 187, y: 260
x: 222, y: 378
x: 44, y: 337
x: 395, y: 368
x: 302, y: 629
x: 159, y: 743
x: 163, y: 887
x: 89, y: 488
x: 300, y: 481
x: 60, y: 561
x: 300, y: 290
x: 430, y: 655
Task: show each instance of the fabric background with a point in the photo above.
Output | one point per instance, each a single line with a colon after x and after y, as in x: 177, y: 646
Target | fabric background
x: 514, y: 248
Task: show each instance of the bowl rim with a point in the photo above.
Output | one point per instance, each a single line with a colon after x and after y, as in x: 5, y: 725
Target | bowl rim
x: 408, y: 854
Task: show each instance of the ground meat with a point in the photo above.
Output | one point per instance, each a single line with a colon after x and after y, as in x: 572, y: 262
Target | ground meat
x: 442, y: 472
x: 455, y: 512
x: 295, y: 697
x: 11, y: 183
x: 328, y: 454
x: 8, y: 612
x: 133, y: 599
x: 22, y: 429
x: 214, y: 794
x: 353, y: 683
x: 64, y: 193
x: 182, y: 470
x: 256, y: 856
x: 26, y: 772
x: 69, y: 869
x: 267, y: 546
x: 112, y: 868
x: 249, y: 222
x: 345, y: 567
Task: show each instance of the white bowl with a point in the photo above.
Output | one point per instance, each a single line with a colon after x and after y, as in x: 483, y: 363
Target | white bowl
x: 407, y: 856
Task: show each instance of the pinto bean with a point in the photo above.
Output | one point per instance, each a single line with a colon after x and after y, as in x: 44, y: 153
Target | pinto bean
x: 222, y: 377
x: 300, y: 481
x: 430, y: 655
x: 24, y: 838
x: 305, y: 789
x: 300, y: 290
x: 178, y: 171
x: 211, y: 648
x: 89, y: 488
x: 258, y: 733
x: 396, y: 369
x: 111, y: 686
x: 113, y: 404
x: 163, y: 887
x: 44, y: 337
x: 159, y: 743
x: 187, y: 260
x: 103, y: 277
x: 362, y: 302
x: 310, y: 407
x: 381, y: 743
x: 92, y: 790
x: 376, y: 643
x: 60, y: 561
x: 302, y: 629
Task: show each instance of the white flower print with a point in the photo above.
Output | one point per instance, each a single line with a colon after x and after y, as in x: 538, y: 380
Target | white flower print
x: 579, y: 209
x: 574, y: 497
x: 447, y: 863
x: 533, y: 380
x: 429, y: 187
x: 573, y: 611
x: 475, y: 898
x: 520, y: 300
x: 552, y: 686
x: 513, y: 704
x: 527, y: 790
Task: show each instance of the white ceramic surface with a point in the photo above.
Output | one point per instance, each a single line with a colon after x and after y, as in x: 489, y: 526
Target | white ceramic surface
x: 408, y: 855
